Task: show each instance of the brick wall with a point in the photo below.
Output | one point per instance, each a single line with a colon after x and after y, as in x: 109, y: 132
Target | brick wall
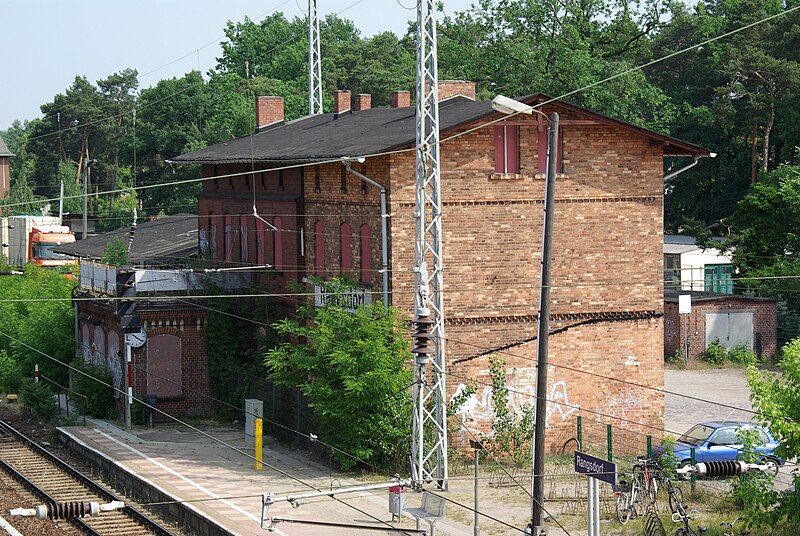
x: 765, y: 324
x: 5, y: 176
x: 607, y: 264
x: 607, y: 260
x: 180, y: 320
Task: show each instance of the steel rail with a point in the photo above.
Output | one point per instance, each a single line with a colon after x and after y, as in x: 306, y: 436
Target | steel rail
x: 93, y: 486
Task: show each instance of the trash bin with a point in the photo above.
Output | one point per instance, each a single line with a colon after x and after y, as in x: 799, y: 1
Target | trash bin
x: 397, y: 501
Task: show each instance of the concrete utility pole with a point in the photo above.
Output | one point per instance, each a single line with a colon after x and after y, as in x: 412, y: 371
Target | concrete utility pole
x: 314, y: 61
x: 536, y: 526
x: 429, y: 427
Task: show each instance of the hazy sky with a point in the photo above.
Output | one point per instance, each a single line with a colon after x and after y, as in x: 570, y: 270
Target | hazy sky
x: 44, y: 44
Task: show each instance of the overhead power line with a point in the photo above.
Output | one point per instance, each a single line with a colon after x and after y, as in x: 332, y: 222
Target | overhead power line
x: 449, y: 138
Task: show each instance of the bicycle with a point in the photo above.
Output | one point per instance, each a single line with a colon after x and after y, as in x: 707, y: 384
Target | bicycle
x: 627, y: 498
x: 648, y: 470
x: 686, y: 529
x: 728, y: 527
x: 674, y: 493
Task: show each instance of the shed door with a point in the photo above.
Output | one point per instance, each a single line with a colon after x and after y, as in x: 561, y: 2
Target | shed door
x: 730, y: 329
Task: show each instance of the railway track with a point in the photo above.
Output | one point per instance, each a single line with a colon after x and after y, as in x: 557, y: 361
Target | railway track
x: 52, y: 480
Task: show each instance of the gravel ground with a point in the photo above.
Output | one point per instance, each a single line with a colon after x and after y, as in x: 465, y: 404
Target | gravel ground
x: 12, y: 495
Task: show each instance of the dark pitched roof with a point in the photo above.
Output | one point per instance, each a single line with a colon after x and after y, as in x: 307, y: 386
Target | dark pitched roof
x: 671, y: 296
x: 4, y: 148
x: 164, y: 239
x: 352, y: 134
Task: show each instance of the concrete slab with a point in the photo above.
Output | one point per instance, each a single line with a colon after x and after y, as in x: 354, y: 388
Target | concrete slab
x: 222, y: 484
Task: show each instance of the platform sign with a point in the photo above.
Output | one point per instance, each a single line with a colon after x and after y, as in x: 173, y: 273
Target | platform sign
x: 684, y: 304
x: 596, y: 468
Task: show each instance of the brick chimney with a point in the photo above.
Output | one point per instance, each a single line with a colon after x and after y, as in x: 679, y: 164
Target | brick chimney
x: 363, y: 102
x: 269, y: 110
x: 341, y: 101
x: 452, y: 88
x: 401, y: 99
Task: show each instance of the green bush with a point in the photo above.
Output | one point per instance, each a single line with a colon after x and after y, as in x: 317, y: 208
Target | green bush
x: 715, y: 354
x: 99, y: 401
x: 10, y: 374
x: 353, y: 370
x: 38, y: 399
x: 742, y: 355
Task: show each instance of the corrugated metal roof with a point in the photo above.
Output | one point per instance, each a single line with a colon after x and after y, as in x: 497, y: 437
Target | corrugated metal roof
x: 4, y: 151
x: 353, y: 134
x: 164, y: 239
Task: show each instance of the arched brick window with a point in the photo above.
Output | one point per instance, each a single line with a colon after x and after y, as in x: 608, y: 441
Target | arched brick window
x: 261, y: 256
x: 212, y: 235
x: 278, y: 243
x: 319, y: 248
x: 86, y: 344
x: 164, y: 361
x: 114, y: 359
x: 365, y: 236
x: 243, y: 253
x: 228, y: 238
x: 345, y: 251
x: 99, y: 348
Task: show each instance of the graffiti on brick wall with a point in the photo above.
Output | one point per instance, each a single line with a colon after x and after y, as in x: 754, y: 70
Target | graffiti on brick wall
x: 478, y: 409
x: 625, y: 404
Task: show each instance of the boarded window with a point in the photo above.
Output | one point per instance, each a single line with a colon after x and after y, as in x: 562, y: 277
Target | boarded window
x: 278, y: 243
x: 261, y: 255
x: 99, y: 347
x: 243, y: 253
x: 164, y: 366
x: 506, y: 149
x: 319, y: 248
x: 346, y: 251
x: 115, y: 360
x: 212, y: 236
x: 365, y: 236
x: 228, y: 238
x: 86, y: 344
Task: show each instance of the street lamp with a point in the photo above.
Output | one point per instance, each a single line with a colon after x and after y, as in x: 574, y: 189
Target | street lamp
x: 509, y: 106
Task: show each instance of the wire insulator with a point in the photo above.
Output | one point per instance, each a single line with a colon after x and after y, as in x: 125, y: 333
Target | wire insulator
x: 65, y: 510
x: 721, y: 468
x: 422, y: 339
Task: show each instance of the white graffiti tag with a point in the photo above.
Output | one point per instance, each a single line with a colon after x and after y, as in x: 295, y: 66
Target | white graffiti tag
x: 479, y: 408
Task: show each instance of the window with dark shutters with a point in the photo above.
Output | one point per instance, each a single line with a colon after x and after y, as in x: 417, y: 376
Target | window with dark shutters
x: 541, y: 151
x: 506, y: 149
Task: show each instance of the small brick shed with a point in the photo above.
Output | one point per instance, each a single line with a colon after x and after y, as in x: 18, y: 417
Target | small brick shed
x: 731, y: 319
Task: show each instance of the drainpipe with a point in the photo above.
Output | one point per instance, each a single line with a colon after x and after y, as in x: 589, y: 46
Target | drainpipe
x: 384, y: 227
x: 669, y: 176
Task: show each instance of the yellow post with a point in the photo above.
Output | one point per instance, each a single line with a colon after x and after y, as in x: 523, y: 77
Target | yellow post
x: 259, y: 437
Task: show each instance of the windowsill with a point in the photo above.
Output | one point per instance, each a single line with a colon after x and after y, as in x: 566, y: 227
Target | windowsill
x: 543, y: 176
x: 506, y: 176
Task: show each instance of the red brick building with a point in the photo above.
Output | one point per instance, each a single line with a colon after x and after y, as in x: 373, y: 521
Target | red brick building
x: 607, y: 296
x: 172, y: 363
x: 5, y: 170
x: 732, y: 320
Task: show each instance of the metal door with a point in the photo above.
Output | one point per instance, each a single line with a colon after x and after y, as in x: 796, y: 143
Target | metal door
x: 731, y: 329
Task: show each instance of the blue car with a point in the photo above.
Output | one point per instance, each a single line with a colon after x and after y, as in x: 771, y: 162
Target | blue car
x: 719, y: 441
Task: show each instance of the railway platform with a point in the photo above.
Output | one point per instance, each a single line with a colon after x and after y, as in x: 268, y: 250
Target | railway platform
x: 222, y: 485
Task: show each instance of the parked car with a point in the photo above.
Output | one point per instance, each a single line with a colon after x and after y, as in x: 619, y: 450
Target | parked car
x: 716, y: 441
